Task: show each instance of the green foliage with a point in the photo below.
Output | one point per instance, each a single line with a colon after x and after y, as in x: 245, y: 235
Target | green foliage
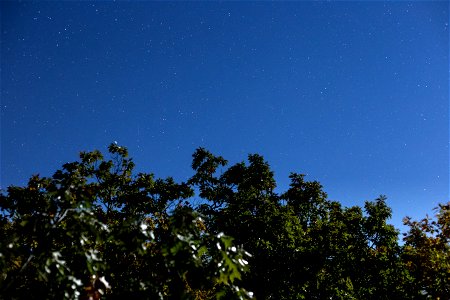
x: 95, y: 230
x: 427, y: 255
x: 305, y: 246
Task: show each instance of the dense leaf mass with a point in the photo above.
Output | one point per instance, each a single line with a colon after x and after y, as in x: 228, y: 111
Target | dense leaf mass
x: 96, y: 230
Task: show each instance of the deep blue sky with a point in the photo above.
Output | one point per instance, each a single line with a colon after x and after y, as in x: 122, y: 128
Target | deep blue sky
x: 354, y: 94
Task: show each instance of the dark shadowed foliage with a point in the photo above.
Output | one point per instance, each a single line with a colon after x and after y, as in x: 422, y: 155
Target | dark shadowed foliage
x: 97, y: 230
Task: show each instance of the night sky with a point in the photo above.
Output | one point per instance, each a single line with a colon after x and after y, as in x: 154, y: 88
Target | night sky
x: 353, y: 94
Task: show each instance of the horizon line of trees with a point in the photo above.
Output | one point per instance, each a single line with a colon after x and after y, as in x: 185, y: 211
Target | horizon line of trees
x: 96, y: 230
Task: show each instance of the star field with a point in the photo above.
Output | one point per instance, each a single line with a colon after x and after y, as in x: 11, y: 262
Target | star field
x: 354, y: 94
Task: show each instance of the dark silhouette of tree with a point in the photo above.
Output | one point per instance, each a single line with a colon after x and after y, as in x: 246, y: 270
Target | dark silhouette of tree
x: 427, y: 255
x: 96, y: 230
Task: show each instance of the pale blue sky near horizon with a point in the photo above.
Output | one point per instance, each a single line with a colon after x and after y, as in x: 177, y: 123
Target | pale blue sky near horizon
x: 353, y: 94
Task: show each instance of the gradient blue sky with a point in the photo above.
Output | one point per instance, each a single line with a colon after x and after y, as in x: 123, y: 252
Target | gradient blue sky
x: 354, y: 94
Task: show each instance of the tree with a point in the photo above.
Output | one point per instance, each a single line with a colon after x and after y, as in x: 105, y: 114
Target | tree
x: 304, y: 246
x: 427, y: 255
x: 95, y: 229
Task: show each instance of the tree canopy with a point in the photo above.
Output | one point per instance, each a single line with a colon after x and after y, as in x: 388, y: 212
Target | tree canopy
x: 97, y: 230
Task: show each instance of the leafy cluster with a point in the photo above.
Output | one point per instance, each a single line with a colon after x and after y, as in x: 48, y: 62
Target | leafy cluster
x: 96, y: 230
